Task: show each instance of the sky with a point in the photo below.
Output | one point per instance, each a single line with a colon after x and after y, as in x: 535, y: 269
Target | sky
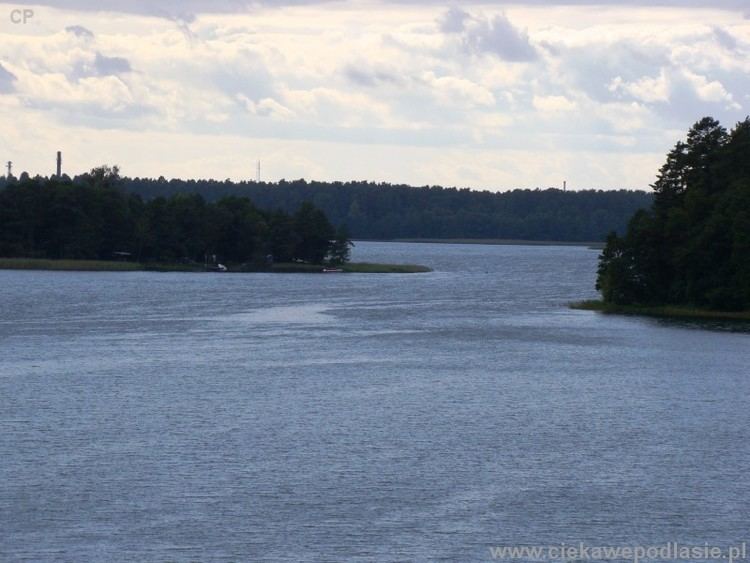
x: 489, y: 96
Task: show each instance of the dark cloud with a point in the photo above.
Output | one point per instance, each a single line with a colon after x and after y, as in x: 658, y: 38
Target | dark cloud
x: 685, y: 103
x: 101, y: 66
x: 550, y: 48
x: 7, y: 79
x: 367, y: 77
x: 80, y: 31
x: 106, y: 66
x: 247, y: 76
x: 171, y: 8
x: 738, y: 5
x: 183, y: 21
x: 454, y: 20
x: 164, y: 8
x: 499, y: 37
x: 725, y: 39
x: 592, y: 70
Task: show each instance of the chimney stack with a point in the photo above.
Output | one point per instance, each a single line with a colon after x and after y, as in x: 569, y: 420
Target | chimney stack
x: 10, y: 169
x: 59, y: 164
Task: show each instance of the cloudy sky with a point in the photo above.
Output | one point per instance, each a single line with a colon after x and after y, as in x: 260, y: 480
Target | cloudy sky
x: 494, y: 95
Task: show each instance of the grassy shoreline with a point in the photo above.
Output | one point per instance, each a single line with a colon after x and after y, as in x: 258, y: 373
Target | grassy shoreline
x: 349, y: 268
x: 112, y: 266
x: 665, y: 311
x: 372, y: 268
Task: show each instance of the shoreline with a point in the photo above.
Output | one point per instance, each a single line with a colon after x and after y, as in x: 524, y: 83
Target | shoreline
x: 64, y: 265
x: 663, y: 311
x: 490, y: 242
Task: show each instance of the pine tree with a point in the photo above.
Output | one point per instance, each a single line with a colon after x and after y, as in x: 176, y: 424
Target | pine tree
x: 340, y: 251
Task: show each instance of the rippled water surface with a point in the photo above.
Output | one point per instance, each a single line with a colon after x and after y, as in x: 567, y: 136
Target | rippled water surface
x: 153, y: 417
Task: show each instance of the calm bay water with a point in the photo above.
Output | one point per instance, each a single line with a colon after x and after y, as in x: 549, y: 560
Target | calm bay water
x: 208, y: 417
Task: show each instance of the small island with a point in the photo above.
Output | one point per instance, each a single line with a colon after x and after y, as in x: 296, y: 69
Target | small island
x: 689, y: 255
x: 89, y: 224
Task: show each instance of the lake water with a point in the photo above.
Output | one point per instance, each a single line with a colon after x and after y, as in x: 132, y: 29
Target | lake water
x: 209, y: 417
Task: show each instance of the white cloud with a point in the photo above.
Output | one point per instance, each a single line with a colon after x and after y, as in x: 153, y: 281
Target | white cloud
x: 710, y: 90
x: 267, y: 107
x: 328, y: 106
x: 500, y: 89
x: 646, y: 89
x: 553, y: 104
x: 662, y: 87
x: 452, y: 90
x: 624, y: 117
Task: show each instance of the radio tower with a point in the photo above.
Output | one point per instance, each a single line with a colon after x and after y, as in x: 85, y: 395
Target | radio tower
x: 257, y: 173
x: 10, y: 169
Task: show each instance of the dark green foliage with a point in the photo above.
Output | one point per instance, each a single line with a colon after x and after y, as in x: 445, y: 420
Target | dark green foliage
x: 314, y: 234
x: 693, y: 247
x: 341, y: 247
x: 91, y: 218
x: 385, y: 211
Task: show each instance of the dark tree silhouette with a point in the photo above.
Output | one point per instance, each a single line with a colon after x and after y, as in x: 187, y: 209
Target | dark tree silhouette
x: 91, y: 217
x: 693, y: 246
x: 386, y: 211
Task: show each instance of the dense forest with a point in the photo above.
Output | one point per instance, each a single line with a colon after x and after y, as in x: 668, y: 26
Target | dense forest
x: 693, y: 246
x: 385, y: 211
x: 93, y: 218
x: 98, y: 213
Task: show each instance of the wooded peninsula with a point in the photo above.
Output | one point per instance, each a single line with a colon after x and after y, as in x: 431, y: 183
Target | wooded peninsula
x: 92, y: 219
x: 689, y: 254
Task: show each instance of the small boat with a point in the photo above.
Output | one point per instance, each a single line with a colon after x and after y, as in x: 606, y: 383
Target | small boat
x: 333, y: 271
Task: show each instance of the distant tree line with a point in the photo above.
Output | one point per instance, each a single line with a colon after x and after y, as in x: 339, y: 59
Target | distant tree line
x: 692, y: 247
x: 385, y: 211
x: 92, y: 217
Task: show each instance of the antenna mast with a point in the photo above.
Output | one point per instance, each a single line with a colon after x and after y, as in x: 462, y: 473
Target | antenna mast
x: 10, y: 169
x: 59, y: 164
x: 257, y: 173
